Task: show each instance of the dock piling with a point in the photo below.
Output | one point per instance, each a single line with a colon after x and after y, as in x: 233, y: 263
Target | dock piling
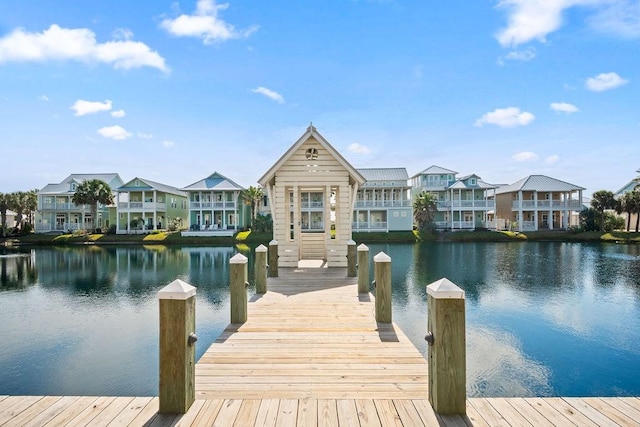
x: 382, y: 276
x: 352, y: 259
x: 260, y: 269
x: 363, y: 269
x: 177, y: 347
x: 273, y: 258
x: 238, y: 288
x: 447, y: 347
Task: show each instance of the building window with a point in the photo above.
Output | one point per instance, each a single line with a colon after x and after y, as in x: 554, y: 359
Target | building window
x: 311, y: 154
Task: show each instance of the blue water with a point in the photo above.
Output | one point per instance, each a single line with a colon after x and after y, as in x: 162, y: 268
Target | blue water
x: 543, y: 319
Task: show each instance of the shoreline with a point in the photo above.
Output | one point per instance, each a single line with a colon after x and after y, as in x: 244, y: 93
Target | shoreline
x: 166, y: 238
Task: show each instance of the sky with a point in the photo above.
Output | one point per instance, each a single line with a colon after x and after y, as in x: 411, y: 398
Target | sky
x: 174, y: 91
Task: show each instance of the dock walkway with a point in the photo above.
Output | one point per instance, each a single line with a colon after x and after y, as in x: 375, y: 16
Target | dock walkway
x: 312, y: 354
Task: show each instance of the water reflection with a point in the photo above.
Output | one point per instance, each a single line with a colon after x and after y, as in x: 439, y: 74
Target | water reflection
x: 17, y: 270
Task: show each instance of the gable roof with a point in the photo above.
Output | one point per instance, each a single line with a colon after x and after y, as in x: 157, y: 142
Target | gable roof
x: 384, y: 174
x: 434, y: 170
x: 215, y: 181
x: 311, y: 132
x: 630, y: 186
x: 151, y: 185
x: 79, y: 178
x: 480, y: 184
x: 538, y: 183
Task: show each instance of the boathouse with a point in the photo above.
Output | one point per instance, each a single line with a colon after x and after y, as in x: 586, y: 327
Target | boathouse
x: 311, y: 191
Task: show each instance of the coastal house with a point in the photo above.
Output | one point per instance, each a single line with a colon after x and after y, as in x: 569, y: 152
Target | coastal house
x: 143, y: 206
x: 464, y: 203
x: 312, y: 191
x: 630, y: 186
x: 215, y: 207
x: 383, y: 202
x: 538, y: 202
x: 56, y: 211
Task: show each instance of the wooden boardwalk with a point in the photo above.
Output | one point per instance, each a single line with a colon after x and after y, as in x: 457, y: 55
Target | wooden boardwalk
x: 311, y: 354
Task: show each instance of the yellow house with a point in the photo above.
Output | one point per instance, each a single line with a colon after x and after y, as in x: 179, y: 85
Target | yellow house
x: 312, y: 191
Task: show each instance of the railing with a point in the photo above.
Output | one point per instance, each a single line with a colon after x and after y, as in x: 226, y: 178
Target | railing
x: 382, y: 203
x: 311, y: 205
x: 467, y: 204
x: 546, y: 204
x: 210, y: 205
x: 142, y: 205
x: 435, y: 184
x: 377, y: 225
x: 67, y: 226
x: 526, y: 226
x: 64, y: 207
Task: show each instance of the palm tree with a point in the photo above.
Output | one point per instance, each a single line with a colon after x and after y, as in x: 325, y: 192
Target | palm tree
x: 602, y: 200
x: 92, y: 192
x: 424, y: 209
x: 17, y: 203
x: 634, y: 205
x: 252, y: 196
x: 625, y: 205
x: 4, y: 207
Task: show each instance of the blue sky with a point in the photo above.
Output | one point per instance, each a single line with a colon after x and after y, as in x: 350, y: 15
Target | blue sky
x: 175, y: 91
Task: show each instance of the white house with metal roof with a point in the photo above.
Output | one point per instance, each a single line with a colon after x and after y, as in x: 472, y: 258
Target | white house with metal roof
x: 634, y: 184
x: 56, y: 211
x: 462, y: 203
x: 143, y: 206
x: 312, y: 191
x: 383, y: 202
x: 538, y: 202
x: 215, y: 206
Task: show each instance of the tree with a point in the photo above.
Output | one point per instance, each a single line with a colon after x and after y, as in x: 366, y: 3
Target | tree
x: 602, y: 200
x: 252, y: 196
x: 424, y: 208
x: 4, y: 207
x: 92, y: 192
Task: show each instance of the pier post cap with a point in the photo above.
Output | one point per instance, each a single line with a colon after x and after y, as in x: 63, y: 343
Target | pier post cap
x: 238, y: 259
x: 445, y: 289
x: 363, y: 247
x: 351, y: 242
x: 273, y: 242
x: 382, y: 257
x: 178, y: 290
x: 261, y: 248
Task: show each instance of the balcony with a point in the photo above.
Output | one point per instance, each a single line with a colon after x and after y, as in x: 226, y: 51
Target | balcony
x: 467, y: 204
x: 65, y: 207
x: 546, y: 204
x: 211, y: 205
x: 374, y: 225
x: 382, y: 203
x: 142, y: 206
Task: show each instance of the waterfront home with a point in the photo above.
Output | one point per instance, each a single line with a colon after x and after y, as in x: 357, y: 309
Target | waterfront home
x: 312, y: 191
x: 56, y: 211
x: 630, y: 186
x: 215, y: 207
x: 383, y: 202
x: 538, y: 202
x: 143, y: 206
x: 464, y: 203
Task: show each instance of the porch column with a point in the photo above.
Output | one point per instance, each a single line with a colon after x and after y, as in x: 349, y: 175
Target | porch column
x: 473, y: 206
x: 451, y: 209
x: 155, y: 210
x: 535, y: 216
x: 128, y: 220
x: 327, y: 217
x: 200, y: 222
x: 550, y: 211
x: 520, y: 213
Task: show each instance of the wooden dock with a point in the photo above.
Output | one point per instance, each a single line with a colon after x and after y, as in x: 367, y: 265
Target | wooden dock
x: 312, y: 354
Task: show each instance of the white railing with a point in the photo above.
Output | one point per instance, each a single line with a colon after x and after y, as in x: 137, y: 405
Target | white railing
x: 311, y: 205
x: 435, y: 183
x: 64, y: 207
x: 546, y: 204
x: 376, y: 225
x: 382, y: 203
x: 471, y: 204
x: 142, y: 205
x: 212, y: 205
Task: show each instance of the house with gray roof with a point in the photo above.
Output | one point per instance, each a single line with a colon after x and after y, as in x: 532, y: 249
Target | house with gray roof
x: 538, y: 202
x: 464, y: 203
x: 383, y: 202
x: 143, y: 206
x: 215, y: 207
x: 56, y: 211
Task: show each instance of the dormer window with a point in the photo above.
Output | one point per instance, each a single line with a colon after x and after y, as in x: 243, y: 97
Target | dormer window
x: 472, y: 181
x: 73, y: 186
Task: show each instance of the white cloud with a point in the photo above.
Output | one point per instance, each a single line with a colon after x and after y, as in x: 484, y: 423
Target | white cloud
x: 143, y: 135
x: 118, y: 113
x: 605, y: 81
x: 564, y: 107
x: 122, y: 34
x: 82, y: 107
x: 269, y: 94
x: 620, y: 18
x: 519, y: 55
x: 506, y: 118
x: 43, y: 98
x: 205, y: 24
x: 551, y: 160
x: 168, y: 144
x: 77, y: 44
x: 358, y: 148
x: 525, y: 156
x: 114, y: 132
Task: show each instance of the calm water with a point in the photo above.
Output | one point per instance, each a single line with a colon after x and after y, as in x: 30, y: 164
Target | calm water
x: 543, y: 319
